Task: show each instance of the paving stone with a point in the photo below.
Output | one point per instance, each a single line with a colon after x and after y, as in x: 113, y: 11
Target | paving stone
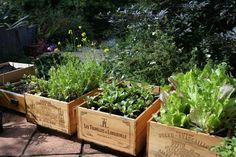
x: 45, y: 144
x: 16, y: 134
x: 64, y: 155
x: 88, y: 149
x: 99, y: 155
x: 93, y: 150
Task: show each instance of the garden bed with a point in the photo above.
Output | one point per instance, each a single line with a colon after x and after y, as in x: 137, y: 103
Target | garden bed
x: 12, y: 96
x: 123, y: 134
x: 117, y: 117
x: 12, y: 71
x: 54, y: 114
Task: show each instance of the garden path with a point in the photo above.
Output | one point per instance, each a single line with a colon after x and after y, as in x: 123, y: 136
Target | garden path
x: 22, y: 139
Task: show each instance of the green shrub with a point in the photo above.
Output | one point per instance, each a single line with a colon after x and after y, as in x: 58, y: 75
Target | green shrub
x: 147, y: 54
x: 207, y: 26
x: 203, y: 30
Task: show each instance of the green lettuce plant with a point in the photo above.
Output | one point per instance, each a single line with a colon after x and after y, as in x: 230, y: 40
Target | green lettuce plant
x: 203, y: 100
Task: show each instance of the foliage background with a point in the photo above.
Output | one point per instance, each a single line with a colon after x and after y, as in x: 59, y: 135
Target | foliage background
x: 152, y: 39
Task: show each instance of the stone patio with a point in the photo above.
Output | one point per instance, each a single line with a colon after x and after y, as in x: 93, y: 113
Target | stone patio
x: 23, y: 139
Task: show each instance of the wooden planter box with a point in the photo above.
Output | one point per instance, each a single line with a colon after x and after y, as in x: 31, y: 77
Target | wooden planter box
x: 12, y: 100
x: 54, y: 114
x: 17, y: 74
x: 169, y: 141
x: 116, y: 132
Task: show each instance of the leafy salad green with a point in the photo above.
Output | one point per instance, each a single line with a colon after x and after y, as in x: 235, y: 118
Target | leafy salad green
x: 202, y: 100
x: 128, y: 99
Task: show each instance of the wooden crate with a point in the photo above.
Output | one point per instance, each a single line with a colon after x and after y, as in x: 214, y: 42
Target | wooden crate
x: 17, y: 74
x: 12, y: 100
x: 54, y: 114
x: 169, y: 141
x: 113, y: 131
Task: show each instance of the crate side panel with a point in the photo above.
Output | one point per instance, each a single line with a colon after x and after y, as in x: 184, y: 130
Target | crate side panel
x: 177, y: 142
x: 106, y: 129
x: 141, y: 124
x: 12, y: 101
x: 47, y: 112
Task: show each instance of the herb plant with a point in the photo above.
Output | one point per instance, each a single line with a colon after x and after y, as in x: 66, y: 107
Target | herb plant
x: 126, y: 99
x: 70, y: 80
x: 203, y: 100
x: 227, y: 148
x: 45, y: 62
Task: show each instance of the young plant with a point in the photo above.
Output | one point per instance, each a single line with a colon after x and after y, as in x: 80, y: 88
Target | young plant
x: 70, y: 80
x: 227, y: 148
x: 19, y: 87
x: 128, y: 99
x: 44, y: 63
x: 203, y: 100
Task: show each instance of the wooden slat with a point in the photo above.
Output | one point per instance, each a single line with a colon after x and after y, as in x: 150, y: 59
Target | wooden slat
x: 141, y: 124
x: 171, y: 141
x: 73, y: 112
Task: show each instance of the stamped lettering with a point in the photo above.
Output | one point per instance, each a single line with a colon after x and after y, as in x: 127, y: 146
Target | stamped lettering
x: 47, y: 114
x: 106, y: 130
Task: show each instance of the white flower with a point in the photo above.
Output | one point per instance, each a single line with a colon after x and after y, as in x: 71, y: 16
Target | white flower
x: 153, y: 62
x: 208, y: 55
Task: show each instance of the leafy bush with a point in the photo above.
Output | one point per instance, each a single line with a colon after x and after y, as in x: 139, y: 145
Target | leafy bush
x: 70, y: 80
x: 226, y: 148
x: 147, y: 53
x: 203, y: 100
x: 204, y: 26
x: 128, y: 99
x: 201, y: 30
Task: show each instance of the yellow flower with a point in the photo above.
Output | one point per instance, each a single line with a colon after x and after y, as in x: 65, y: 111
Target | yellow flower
x: 92, y: 44
x: 58, y: 43
x: 79, y: 46
x: 84, y: 39
x: 106, y: 50
x: 83, y: 34
x: 79, y: 27
x: 56, y: 50
x: 70, y: 31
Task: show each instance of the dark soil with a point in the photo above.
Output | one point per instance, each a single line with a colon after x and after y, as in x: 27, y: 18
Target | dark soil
x: 19, y: 87
x: 6, y: 68
x: 115, y: 112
